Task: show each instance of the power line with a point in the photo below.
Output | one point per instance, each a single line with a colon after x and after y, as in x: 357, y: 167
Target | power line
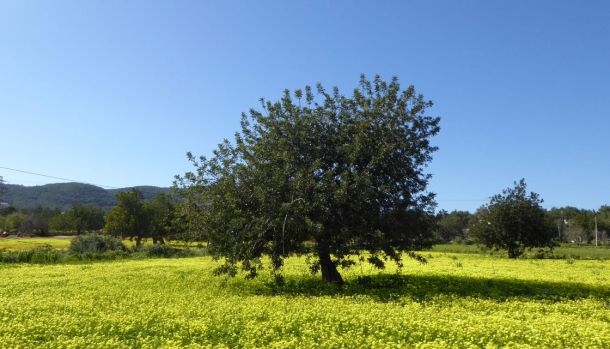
x: 54, y: 177
x: 111, y: 187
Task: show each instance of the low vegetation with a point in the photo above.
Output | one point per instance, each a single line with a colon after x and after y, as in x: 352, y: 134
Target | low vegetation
x: 26, y: 243
x: 564, y: 251
x: 94, y: 243
x: 89, y: 247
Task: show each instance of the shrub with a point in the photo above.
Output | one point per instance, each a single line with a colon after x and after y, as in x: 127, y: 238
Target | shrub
x: 158, y: 250
x: 95, y: 243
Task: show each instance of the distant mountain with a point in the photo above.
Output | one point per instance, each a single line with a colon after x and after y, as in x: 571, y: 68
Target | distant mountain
x: 63, y: 195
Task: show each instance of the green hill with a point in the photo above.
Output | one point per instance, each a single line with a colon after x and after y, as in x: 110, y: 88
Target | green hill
x: 63, y: 195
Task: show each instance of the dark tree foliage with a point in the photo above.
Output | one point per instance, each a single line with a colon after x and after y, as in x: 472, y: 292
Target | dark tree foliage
x: 586, y: 221
x: 7, y: 210
x: 35, y: 221
x: 603, y: 218
x: 452, y: 225
x: 2, y: 187
x: 339, y: 174
x: 514, y: 221
x: 579, y: 224
x: 161, y: 213
x: 128, y: 219
x: 94, y: 243
x: 83, y: 218
x: 563, y: 219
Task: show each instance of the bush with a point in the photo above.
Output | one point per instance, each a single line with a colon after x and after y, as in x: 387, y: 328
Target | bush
x: 95, y: 243
x: 158, y: 250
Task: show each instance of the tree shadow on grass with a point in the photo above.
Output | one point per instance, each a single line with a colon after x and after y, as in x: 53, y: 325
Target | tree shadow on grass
x: 391, y: 287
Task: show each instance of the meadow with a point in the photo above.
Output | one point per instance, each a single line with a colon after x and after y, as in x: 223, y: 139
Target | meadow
x: 456, y: 300
x: 565, y: 251
x: 58, y: 243
x: 26, y: 243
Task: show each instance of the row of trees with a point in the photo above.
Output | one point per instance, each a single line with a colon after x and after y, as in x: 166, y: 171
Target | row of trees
x: 42, y: 221
x: 137, y: 219
x: 131, y: 218
x: 570, y: 224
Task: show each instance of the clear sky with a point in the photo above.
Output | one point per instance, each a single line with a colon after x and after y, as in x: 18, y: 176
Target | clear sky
x: 115, y: 92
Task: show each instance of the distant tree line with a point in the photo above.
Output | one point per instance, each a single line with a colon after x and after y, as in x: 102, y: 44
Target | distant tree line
x: 132, y: 218
x: 570, y: 224
x: 77, y: 219
x: 161, y: 218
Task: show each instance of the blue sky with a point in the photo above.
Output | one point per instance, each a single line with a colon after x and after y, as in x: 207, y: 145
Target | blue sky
x: 115, y: 92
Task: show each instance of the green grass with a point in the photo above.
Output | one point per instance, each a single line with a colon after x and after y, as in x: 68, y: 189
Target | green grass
x: 565, y: 251
x: 60, y: 243
x: 456, y: 300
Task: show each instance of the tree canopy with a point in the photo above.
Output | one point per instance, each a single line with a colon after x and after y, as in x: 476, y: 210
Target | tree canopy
x: 514, y: 220
x: 452, y: 225
x: 128, y: 219
x: 161, y: 213
x: 81, y: 218
x: 318, y: 169
x: 135, y: 219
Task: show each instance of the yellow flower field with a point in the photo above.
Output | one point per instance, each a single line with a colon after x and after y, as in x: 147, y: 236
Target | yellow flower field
x: 456, y: 300
x: 25, y: 243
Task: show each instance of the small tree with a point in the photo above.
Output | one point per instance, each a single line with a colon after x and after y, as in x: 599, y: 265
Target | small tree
x: 603, y: 223
x: 585, y: 220
x: 128, y: 219
x: 161, y: 212
x: 452, y: 225
x: 514, y: 221
x: 334, y: 174
x: 83, y: 218
x: 13, y: 221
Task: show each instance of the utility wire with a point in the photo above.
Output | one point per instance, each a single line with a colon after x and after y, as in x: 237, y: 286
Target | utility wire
x: 111, y: 187
x: 54, y: 177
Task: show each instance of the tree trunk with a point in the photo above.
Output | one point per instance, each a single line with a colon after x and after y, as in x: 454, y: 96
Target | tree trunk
x: 512, y: 252
x: 328, y: 268
x: 158, y: 239
x: 138, y: 241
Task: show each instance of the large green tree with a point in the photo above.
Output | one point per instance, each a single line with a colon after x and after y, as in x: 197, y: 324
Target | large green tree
x: 514, y: 220
x: 161, y: 212
x: 84, y: 218
x: 129, y: 218
x: 340, y: 174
